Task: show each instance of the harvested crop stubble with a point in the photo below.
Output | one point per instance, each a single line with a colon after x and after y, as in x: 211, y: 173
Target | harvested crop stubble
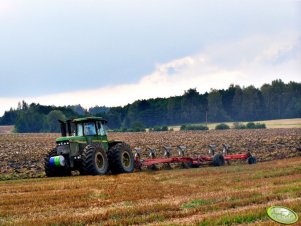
x: 230, y: 195
x: 6, y: 129
x: 23, y: 154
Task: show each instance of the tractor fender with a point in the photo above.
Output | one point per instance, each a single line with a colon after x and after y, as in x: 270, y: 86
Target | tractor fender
x: 114, y: 142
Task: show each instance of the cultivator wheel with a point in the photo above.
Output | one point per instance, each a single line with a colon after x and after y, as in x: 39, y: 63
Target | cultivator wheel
x: 251, y: 160
x: 52, y: 171
x: 218, y: 160
x: 195, y: 165
x: 94, y: 161
x: 121, y: 159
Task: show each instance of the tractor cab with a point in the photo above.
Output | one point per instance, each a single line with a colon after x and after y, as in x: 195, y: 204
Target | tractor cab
x: 82, y: 131
x: 88, y: 126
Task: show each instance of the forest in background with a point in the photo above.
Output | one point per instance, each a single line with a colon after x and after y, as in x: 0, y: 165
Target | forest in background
x: 277, y: 100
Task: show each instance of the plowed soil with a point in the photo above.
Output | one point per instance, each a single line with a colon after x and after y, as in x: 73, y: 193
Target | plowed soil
x: 23, y: 154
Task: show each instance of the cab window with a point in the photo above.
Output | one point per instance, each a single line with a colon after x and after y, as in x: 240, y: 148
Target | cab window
x: 79, y: 129
x: 100, y: 129
x: 89, y: 128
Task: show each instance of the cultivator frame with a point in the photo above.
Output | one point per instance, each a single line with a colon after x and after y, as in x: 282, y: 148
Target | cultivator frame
x: 217, y: 159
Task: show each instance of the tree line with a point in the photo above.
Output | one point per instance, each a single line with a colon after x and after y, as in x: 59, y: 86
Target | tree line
x: 271, y: 101
x: 36, y: 117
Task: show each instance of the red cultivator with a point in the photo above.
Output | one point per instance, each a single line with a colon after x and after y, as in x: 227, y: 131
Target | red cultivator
x: 190, y: 162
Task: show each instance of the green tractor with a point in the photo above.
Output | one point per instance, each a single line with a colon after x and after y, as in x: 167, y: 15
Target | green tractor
x: 86, y: 148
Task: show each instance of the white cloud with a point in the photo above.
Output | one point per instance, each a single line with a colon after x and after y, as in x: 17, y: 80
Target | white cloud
x: 255, y: 60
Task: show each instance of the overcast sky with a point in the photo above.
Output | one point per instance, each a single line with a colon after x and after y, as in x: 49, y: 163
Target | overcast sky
x: 113, y: 52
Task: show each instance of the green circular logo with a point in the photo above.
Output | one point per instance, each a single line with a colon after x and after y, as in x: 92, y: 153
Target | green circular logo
x: 282, y: 215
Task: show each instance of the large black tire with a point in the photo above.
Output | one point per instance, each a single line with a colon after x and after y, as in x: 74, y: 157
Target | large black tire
x: 54, y: 171
x: 121, y: 159
x: 94, y: 161
x: 251, y: 160
x: 152, y: 167
x: 187, y: 165
x: 195, y: 165
x: 218, y: 160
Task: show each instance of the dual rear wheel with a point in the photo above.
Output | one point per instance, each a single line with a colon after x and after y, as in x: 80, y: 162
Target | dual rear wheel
x: 119, y: 159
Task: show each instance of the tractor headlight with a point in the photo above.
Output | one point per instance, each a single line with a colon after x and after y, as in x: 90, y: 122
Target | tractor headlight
x: 63, y: 143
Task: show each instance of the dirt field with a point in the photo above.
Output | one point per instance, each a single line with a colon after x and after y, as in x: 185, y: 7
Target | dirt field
x: 229, y: 195
x: 21, y: 155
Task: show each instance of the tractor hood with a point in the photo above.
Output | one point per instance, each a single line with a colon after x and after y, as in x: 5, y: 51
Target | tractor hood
x: 70, y: 139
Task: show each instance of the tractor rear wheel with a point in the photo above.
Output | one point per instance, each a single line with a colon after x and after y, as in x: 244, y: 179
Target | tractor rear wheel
x: 52, y: 171
x: 218, y: 160
x: 121, y: 159
x: 94, y: 161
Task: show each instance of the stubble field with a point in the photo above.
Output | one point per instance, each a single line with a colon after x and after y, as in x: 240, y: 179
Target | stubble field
x: 229, y: 195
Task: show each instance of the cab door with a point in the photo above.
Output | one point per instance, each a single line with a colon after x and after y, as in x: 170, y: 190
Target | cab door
x: 90, y: 132
x: 102, y: 134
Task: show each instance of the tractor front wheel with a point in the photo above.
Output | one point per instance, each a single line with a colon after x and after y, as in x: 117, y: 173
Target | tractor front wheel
x: 121, y: 159
x: 94, y: 161
x: 53, y: 171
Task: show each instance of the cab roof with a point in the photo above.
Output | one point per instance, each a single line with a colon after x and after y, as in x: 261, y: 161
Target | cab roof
x: 89, y: 119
